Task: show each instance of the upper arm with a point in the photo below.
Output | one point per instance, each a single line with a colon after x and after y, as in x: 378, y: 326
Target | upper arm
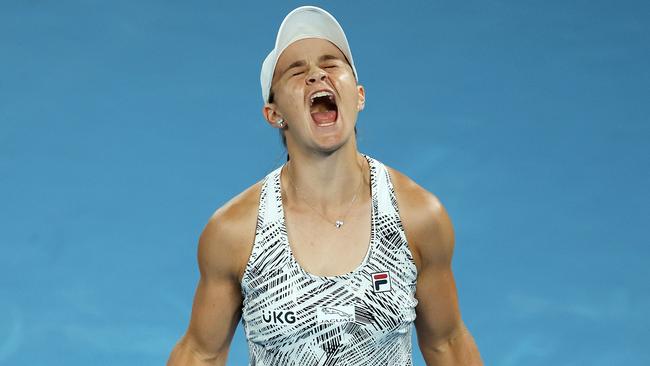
x: 223, y: 249
x: 215, y: 311
x: 430, y: 235
x: 438, y: 314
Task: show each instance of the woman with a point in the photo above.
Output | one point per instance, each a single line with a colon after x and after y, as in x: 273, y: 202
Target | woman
x: 332, y: 257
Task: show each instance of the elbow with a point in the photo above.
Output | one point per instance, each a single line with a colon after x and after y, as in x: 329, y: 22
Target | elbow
x: 189, y: 353
x: 458, y: 349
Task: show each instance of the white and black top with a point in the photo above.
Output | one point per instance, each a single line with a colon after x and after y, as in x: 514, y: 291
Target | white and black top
x: 292, y: 317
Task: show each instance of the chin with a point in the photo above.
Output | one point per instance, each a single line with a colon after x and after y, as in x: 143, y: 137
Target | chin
x: 331, y: 144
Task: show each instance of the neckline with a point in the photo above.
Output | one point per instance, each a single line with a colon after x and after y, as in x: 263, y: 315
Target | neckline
x: 373, y: 232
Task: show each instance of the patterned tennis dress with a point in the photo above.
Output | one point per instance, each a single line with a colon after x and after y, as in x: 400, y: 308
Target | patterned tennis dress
x: 362, y: 318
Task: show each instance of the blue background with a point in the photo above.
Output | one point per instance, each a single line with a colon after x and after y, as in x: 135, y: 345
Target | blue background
x: 125, y: 124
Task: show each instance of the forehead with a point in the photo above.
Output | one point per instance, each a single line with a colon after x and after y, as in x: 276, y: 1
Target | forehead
x: 305, y: 50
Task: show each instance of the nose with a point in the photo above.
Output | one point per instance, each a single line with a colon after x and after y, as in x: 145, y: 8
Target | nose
x: 315, y: 74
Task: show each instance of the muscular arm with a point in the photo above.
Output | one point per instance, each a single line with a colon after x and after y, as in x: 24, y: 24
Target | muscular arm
x: 442, y: 336
x: 223, y: 250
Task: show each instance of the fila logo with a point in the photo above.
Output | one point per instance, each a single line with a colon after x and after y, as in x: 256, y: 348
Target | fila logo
x: 380, y: 282
x: 279, y: 317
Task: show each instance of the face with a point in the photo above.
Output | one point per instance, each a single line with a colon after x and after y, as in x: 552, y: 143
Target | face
x: 316, y: 94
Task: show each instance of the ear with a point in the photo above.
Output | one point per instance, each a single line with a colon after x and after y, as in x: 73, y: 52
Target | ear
x: 271, y: 114
x: 361, y: 101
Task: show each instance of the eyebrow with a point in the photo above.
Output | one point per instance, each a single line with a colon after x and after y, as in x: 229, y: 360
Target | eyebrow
x: 302, y: 63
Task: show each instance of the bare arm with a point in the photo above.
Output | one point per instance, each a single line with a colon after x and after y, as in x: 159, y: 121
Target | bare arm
x: 217, y: 302
x: 442, y: 336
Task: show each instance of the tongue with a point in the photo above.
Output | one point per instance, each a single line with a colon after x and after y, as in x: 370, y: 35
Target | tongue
x: 324, y: 117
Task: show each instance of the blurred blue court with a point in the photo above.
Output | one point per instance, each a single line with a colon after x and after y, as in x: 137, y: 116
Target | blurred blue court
x: 124, y: 125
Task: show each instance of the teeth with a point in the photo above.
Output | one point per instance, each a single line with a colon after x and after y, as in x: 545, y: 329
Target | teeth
x: 321, y: 94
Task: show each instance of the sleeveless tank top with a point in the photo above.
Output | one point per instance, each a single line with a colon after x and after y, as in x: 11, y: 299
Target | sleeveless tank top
x: 361, y: 318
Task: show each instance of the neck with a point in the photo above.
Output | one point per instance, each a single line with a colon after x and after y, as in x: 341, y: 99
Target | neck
x: 327, y: 181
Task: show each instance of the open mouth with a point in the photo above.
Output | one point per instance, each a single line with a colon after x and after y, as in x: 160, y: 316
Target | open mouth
x: 323, y: 108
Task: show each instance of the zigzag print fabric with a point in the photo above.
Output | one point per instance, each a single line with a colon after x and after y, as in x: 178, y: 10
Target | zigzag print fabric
x: 362, y: 318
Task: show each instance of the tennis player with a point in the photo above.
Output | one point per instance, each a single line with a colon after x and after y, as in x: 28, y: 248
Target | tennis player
x: 333, y: 256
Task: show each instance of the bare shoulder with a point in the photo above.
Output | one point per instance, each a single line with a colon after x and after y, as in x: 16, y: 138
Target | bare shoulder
x: 428, y: 227
x: 227, y: 238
